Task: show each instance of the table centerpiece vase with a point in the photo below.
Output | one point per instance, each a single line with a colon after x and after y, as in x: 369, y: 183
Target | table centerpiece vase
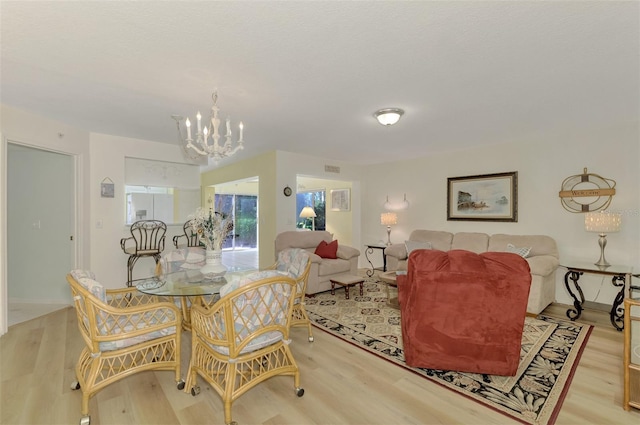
x: 212, y: 228
x: 213, y: 269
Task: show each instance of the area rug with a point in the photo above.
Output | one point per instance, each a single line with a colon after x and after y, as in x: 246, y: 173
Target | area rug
x: 551, y: 349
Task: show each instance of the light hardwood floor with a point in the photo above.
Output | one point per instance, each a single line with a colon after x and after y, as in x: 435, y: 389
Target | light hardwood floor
x: 343, y: 385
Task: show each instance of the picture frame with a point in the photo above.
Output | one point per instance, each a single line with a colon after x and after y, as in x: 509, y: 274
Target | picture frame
x: 107, y: 188
x: 487, y: 197
x: 340, y: 200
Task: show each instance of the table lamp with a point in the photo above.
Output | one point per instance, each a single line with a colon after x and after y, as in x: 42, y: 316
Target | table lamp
x: 388, y: 219
x: 308, y: 212
x: 602, y: 223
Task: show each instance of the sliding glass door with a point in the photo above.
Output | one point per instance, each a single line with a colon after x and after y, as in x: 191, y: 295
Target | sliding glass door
x: 244, y: 210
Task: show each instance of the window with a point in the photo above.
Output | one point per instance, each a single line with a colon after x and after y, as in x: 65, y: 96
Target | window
x: 168, y: 204
x: 315, y: 199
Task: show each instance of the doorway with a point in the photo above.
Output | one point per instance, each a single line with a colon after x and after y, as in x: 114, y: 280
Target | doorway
x: 239, y: 200
x: 40, y: 225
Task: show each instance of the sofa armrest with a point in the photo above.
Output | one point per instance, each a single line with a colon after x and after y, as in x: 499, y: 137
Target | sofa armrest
x: 314, y: 258
x: 543, y: 265
x: 397, y: 250
x: 347, y: 252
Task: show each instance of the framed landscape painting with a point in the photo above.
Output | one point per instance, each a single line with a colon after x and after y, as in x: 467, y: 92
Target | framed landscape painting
x: 488, y: 197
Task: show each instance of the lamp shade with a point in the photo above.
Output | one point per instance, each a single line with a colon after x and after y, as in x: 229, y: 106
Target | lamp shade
x: 388, y: 219
x: 602, y: 222
x: 307, y: 212
x: 388, y: 116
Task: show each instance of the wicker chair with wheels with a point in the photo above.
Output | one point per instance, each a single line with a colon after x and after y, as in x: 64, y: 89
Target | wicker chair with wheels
x: 125, y: 332
x: 146, y: 240
x: 297, y: 263
x: 191, y: 236
x: 243, y: 339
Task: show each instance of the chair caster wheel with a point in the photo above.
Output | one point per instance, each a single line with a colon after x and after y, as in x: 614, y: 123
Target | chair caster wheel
x: 310, y: 339
x: 85, y: 420
x: 195, y: 390
x: 181, y: 385
x: 299, y: 392
x: 75, y: 385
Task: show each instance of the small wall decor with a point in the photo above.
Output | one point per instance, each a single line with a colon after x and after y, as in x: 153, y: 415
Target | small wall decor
x: 107, y: 188
x: 340, y: 200
x: 586, y: 192
x: 488, y: 197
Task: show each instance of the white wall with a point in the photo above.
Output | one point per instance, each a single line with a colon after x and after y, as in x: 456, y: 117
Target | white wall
x: 108, y: 160
x: 542, y: 163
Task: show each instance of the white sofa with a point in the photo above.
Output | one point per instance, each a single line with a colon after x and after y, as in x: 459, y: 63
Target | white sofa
x: 322, y: 269
x: 543, y: 257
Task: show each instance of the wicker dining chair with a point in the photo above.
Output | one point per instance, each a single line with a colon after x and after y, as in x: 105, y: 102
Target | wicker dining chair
x: 296, y: 261
x: 125, y: 332
x: 243, y: 339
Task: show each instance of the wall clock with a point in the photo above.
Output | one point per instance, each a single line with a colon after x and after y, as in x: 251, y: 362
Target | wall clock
x: 287, y: 191
x: 586, y: 192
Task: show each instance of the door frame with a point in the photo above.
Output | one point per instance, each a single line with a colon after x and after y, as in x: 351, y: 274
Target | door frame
x: 4, y: 141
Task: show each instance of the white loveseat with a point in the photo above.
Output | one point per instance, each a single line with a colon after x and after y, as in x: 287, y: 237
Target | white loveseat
x: 543, y: 257
x: 322, y: 269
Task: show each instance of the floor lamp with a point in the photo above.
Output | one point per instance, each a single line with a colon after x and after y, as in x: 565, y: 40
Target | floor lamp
x: 308, y: 212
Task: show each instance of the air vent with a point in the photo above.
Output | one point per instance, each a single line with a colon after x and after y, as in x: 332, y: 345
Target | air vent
x: 332, y: 169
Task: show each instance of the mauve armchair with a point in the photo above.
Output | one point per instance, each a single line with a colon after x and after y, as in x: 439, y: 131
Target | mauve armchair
x: 464, y: 311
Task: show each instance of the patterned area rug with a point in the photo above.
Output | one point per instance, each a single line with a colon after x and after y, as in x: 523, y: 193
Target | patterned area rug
x: 551, y: 349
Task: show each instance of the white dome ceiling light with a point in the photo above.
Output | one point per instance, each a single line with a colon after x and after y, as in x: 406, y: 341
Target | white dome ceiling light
x: 388, y: 116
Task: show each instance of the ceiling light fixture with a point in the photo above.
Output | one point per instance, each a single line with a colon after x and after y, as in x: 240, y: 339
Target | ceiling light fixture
x: 388, y: 116
x: 201, y: 146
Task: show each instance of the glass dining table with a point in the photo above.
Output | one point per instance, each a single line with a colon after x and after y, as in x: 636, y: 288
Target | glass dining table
x: 188, y: 287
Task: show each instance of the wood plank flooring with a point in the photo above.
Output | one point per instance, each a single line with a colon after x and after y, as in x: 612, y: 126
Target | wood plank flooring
x: 343, y: 385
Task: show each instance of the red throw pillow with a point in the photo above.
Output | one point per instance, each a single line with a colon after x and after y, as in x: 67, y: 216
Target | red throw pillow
x: 327, y: 250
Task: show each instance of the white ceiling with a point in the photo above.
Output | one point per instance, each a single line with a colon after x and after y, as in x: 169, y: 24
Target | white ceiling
x: 306, y: 77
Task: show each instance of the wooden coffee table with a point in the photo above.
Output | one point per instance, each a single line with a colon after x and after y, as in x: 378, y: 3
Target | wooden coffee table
x: 390, y: 279
x: 346, y: 280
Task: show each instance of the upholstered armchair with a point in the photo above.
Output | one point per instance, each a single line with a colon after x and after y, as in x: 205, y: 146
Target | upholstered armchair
x: 125, y: 332
x: 464, y: 311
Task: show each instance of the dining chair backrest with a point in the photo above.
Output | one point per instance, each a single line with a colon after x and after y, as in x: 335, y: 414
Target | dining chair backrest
x: 191, y: 236
x: 297, y: 263
x: 148, y: 236
x: 260, y: 306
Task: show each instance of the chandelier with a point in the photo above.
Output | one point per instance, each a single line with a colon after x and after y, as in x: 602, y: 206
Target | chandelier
x: 207, y: 139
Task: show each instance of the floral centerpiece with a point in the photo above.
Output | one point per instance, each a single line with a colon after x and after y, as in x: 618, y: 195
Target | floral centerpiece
x: 212, y: 227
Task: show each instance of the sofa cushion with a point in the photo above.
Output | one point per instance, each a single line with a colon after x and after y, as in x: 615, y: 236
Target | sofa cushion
x: 413, y: 245
x: 468, y: 241
x: 439, y: 240
x: 327, y: 250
